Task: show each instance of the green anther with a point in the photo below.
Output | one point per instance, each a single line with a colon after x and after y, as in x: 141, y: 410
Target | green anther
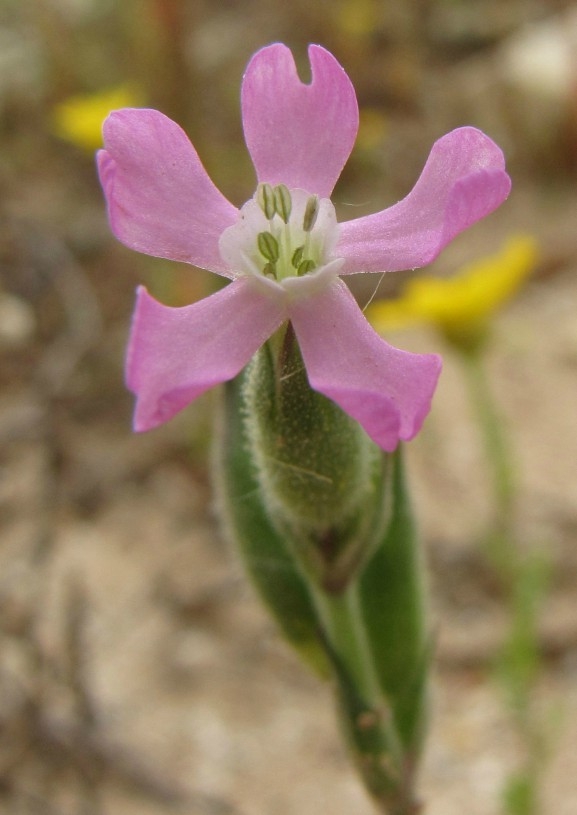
x: 283, y: 202
x: 297, y: 256
x: 305, y: 267
x: 268, y: 246
x: 269, y: 270
x: 266, y: 200
x: 311, y: 212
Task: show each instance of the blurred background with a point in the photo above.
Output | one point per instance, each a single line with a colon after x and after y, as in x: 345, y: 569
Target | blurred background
x: 137, y: 672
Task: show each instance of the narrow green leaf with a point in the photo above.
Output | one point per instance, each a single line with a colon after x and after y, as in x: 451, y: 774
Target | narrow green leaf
x: 272, y: 570
x: 392, y: 600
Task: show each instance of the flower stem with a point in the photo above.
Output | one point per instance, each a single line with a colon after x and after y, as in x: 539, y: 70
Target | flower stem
x: 340, y: 615
x: 366, y: 716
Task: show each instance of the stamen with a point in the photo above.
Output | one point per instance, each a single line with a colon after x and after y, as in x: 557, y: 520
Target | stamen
x: 268, y: 246
x: 311, y: 213
x: 305, y: 267
x: 297, y: 256
x: 281, y: 235
x: 283, y: 202
x: 266, y: 200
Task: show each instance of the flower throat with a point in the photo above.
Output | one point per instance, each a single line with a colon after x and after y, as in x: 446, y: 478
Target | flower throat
x: 288, y: 248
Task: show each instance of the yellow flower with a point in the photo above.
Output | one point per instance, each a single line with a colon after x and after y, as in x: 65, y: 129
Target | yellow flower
x: 79, y: 118
x: 357, y: 18
x: 372, y: 129
x: 460, y: 307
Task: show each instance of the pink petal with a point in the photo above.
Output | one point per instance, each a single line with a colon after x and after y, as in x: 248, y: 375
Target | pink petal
x: 175, y: 354
x: 464, y: 179
x: 160, y: 198
x: 298, y: 134
x: 387, y: 391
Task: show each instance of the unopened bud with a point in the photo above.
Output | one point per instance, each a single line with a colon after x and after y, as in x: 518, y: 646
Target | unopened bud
x: 313, y: 463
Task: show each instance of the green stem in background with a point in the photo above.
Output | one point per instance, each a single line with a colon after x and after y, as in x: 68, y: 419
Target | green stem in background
x: 524, y: 574
x: 517, y: 669
x: 498, y: 452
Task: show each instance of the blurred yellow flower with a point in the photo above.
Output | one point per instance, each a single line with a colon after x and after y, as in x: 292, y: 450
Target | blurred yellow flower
x: 79, y: 118
x: 372, y: 129
x: 462, y: 306
x: 357, y: 18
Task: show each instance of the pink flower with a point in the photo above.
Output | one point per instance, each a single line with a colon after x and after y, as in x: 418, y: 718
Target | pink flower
x: 283, y: 250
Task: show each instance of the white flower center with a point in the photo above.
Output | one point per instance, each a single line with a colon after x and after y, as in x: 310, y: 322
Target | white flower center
x: 283, y: 238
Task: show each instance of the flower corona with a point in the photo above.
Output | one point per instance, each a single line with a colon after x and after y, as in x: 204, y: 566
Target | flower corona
x: 283, y: 236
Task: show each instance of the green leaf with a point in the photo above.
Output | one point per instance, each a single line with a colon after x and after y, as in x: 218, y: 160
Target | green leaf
x: 392, y: 600
x: 272, y: 569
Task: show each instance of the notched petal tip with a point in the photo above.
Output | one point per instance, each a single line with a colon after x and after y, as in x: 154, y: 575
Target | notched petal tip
x: 287, y: 122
